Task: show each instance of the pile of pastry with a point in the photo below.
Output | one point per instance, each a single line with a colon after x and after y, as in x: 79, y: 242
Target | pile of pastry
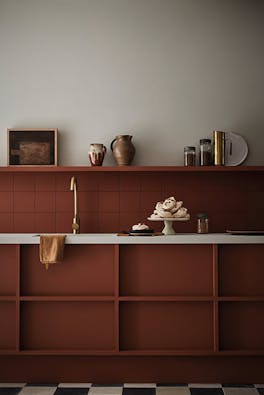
x: 170, y: 208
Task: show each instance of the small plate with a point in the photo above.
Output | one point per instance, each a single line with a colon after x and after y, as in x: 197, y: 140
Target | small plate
x: 236, y: 149
x: 141, y: 234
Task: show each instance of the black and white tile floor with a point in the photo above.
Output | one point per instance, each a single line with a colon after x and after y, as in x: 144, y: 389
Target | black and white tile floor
x: 130, y: 389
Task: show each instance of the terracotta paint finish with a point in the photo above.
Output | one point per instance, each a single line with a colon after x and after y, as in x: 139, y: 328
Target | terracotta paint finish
x: 6, y: 222
x: 126, y: 369
x: 24, y: 221
x: 107, y: 301
x: 242, y: 326
x: 166, y: 326
x: 248, y: 262
x: 8, y: 325
x: 8, y: 270
x: 107, y: 190
x: 131, y: 183
x: 45, y: 182
x: 6, y: 199
x: 6, y: 182
x: 166, y: 270
x: 45, y: 202
x: 86, y: 270
x: 45, y: 222
x: 24, y: 202
x: 67, y: 325
x: 126, y: 219
x: 24, y: 182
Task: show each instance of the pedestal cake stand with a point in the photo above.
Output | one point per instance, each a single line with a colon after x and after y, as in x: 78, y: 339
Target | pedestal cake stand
x: 168, y: 224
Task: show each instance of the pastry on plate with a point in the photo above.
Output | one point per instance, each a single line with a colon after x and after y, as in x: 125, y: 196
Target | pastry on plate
x: 141, y: 229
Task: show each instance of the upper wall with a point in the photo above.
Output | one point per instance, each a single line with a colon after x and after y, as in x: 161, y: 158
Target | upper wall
x: 168, y: 71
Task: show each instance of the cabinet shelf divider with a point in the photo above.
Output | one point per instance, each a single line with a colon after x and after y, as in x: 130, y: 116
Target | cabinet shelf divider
x: 215, y: 293
x: 67, y: 298
x: 116, y: 291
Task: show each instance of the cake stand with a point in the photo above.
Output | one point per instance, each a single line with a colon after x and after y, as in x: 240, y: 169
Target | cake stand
x: 168, y: 224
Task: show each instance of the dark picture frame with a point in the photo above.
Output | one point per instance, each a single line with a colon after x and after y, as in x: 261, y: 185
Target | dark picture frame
x: 32, y: 147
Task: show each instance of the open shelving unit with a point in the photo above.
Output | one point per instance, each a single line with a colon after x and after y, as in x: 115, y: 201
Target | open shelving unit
x: 162, y: 300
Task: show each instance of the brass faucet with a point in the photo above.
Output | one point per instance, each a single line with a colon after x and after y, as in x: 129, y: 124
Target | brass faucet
x: 75, y: 222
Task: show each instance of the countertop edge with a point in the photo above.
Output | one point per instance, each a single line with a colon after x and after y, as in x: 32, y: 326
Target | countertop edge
x: 112, y: 238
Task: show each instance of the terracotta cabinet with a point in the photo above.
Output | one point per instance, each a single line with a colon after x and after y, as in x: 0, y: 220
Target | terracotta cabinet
x: 107, y: 302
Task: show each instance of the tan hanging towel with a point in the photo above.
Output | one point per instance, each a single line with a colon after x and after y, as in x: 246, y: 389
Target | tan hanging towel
x: 51, y: 249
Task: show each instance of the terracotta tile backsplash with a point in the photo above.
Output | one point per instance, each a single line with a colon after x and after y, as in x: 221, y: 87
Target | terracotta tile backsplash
x: 149, y: 199
x: 88, y: 201
x: 64, y: 201
x: 62, y: 182
x: 6, y: 201
x: 87, y: 182
x: 45, y: 182
x: 110, y: 202
x: 24, y: 223
x: 24, y: 202
x: 129, y: 201
x: 6, y: 223
x: 151, y: 182
x: 6, y: 183
x: 45, y: 202
x: 89, y: 222
x: 126, y: 220
x: 45, y: 223
x: 108, y: 222
x: 63, y: 222
x: 108, y: 182
x: 130, y: 183
x: 24, y: 182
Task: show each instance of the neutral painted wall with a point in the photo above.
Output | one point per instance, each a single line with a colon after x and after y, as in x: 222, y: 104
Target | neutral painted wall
x: 167, y: 71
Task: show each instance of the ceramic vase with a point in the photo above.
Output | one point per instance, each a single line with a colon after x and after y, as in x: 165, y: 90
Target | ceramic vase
x: 123, y: 149
x: 96, y: 154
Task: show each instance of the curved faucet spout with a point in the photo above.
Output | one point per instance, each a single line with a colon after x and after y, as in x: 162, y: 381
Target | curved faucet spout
x: 75, y: 222
x: 73, y: 183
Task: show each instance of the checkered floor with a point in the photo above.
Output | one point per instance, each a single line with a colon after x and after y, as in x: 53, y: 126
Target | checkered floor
x: 130, y: 389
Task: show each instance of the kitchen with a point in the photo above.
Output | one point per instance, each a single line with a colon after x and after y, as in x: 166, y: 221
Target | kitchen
x: 168, y: 73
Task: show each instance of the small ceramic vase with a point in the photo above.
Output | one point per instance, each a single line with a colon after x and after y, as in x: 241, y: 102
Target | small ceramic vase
x: 96, y: 154
x: 123, y: 150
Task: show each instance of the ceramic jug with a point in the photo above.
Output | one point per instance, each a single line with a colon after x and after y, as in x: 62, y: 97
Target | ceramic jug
x: 123, y: 149
x: 96, y: 154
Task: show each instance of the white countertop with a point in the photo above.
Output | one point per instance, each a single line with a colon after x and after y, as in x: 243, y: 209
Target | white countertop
x: 112, y: 238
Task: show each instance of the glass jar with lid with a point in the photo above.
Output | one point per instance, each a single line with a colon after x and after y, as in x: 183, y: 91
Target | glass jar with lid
x: 189, y: 156
x: 205, y: 152
x: 202, y: 223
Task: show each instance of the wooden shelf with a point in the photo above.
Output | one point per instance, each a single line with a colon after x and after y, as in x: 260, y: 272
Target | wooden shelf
x: 241, y: 298
x: 167, y: 298
x: 9, y: 352
x: 95, y: 169
x: 191, y: 352
x: 67, y: 298
x: 8, y: 298
x: 126, y: 353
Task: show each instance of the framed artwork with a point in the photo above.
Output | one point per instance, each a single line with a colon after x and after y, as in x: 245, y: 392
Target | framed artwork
x: 32, y: 147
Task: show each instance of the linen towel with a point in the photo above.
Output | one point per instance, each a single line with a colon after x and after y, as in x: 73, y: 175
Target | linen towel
x: 51, y: 249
